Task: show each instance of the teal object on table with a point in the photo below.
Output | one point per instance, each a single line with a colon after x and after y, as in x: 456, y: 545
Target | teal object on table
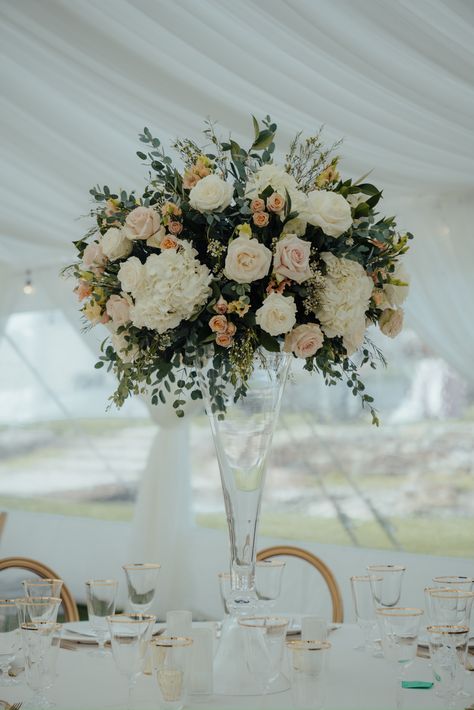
x: 417, y: 684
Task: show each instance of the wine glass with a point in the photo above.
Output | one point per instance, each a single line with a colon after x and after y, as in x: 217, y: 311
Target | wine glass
x: 361, y: 587
x: 141, y: 579
x: 40, y: 644
x: 448, y: 648
x: 450, y: 606
x: 42, y: 587
x: 465, y: 583
x: 37, y: 609
x: 100, y: 598
x: 9, y: 638
x: 386, y: 584
x: 129, y: 636
x: 268, y: 577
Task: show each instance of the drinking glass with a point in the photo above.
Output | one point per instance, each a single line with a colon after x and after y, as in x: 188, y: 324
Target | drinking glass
x: 448, y: 648
x: 465, y: 583
x: 42, y: 587
x: 268, y: 576
x: 38, y: 609
x: 9, y: 638
x: 308, y: 660
x: 361, y: 587
x: 400, y: 627
x: 386, y: 584
x: 172, y: 659
x: 264, y: 645
x: 224, y: 589
x: 450, y: 606
x: 129, y: 636
x: 427, y: 592
x: 40, y: 644
x: 100, y: 599
x: 142, y: 578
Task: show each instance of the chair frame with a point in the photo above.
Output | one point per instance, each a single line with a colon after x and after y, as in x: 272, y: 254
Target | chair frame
x: 323, y: 569
x: 70, y: 608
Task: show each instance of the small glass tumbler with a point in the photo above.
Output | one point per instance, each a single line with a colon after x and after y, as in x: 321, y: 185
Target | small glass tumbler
x: 308, y: 661
x: 37, y: 609
x: 172, y: 661
x: 264, y: 645
x: 400, y: 627
x: 268, y: 577
x: 100, y: 598
x: 42, y: 587
x: 361, y: 587
x: 9, y: 638
x: 142, y: 578
x: 386, y: 584
x: 448, y: 648
x: 450, y: 606
x: 40, y: 644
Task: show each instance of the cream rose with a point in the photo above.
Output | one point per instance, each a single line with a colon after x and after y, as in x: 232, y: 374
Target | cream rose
x: 157, y: 238
x: 118, y: 308
x: 391, y: 322
x: 304, y: 340
x: 292, y: 258
x: 130, y: 274
x: 142, y: 223
x: 329, y: 211
x: 115, y: 244
x: 277, y: 314
x: 211, y: 194
x: 247, y: 260
x: 295, y: 226
x: 93, y: 256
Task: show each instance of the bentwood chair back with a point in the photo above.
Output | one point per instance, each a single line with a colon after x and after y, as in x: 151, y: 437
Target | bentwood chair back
x: 3, y: 520
x: 40, y: 570
x: 318, y: 564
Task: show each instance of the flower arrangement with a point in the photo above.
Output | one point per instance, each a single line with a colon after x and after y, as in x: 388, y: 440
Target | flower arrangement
x: 235, y: 253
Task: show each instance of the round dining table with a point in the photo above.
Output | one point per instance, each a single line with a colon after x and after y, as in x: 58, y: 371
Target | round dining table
x: 355, y: 680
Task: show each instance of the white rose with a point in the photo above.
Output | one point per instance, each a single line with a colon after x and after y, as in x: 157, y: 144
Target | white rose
x: 142, y: 223
x: 118, y: 308
x: 295, y: 226
x: 356, y: 198
x: 115, y: 244
x: 396, y: 295
x: 275, y: 176
x: 329, y: 211
x: 247, y: 260
x: 291, y: 258
x: 211, y: 194
x: 277, y: 314
x: 391, y: 322
x: 131, y: 274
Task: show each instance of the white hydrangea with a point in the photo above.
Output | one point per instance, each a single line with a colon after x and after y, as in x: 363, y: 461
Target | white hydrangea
x: 344, y: 300
x: 276, y: 177
x: 173, y: 285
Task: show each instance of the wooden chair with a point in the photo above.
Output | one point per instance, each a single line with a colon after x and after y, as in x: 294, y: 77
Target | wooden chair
x: 69, y: 605
x: 3, y: 520
x: 323, y: 569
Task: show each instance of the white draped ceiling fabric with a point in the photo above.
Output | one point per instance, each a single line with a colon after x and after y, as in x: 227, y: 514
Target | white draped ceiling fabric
x: 394, y: 78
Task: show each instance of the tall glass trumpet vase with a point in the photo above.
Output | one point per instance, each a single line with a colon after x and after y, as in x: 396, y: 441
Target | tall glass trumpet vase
x: 242, y: 437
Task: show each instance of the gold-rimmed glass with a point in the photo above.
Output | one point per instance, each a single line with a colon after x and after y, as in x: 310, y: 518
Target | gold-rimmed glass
x: 361, y: 588
x: 9, y: 638
x: 387, y: 584
x: 308, y: 662
x: 42, y: 587
x: 448, y: 648
x: 142, y: 579
x: 264, y: 645
x: 451, y: 606
x: 400, y: 627
x: 35, y: 609
x: 172, y: 661
x: 129, y: 636
x: 40, y: 645
x: 466, y: 583
x: 268, y: 578
x: 427, y: 593
x: 101, y: 595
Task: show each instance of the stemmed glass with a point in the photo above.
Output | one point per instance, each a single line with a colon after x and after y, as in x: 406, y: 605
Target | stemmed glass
x: 450, y: 606
x: 268, y: 576
x: 361, y: 587
x: 386, y: 584
x: 40, y: 643
x: 100, y: 598
x: 37, y: 609
x: 264, y: 643
x: 129, y: 636
x: 9, y: 638
x: 448, y: 648
x: 42, y: 587
x: 465, y: 583
x: 142, y: 578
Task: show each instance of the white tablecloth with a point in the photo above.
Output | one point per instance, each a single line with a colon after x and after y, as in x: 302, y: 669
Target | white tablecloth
x: 355, y: 681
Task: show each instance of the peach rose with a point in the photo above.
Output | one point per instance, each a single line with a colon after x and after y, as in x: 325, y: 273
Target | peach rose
x: 83, y: 290
x: 118, y: 309
x: 304, y: 340
x: 276, y: 202
x: 169, y: 242
x: 175, y: 227
x: 391, y: 322
x: 292, y: 258
x: 221, y: 306
x: 218, y: 324
x: 260, y: 219
x: 224, y: 340
x: 190, y: 179
x: 142, y: 223
x: 93, y: 256
x: 105, y: 318
x: 231, y: 329
x: 257, y: 205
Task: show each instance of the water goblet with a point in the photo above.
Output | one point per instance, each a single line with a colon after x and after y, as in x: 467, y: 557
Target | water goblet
x: 386, y: 584
x: 427, y: 593
x: 268, y: 576
x: 361, y: 587
x: 141, y: 578
x: 129, y: 637
x: 448, y: 648
x: 264, y: 645
x: 9, y: 638
x: 308, y: 660
x: 451, y: 581
x: 450, y: 606
x: 400, y: 627
x: 40, y: 644
x: 100, y: 598
x: 36, y: 587
x: 171, y: 660
x: 37, y: 609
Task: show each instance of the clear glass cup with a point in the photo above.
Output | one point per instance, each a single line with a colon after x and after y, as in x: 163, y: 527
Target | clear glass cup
x: 264, y: 645
x: 129, y: 636
x: 100, y: 598
x: 450, y: 606
x: 465, y: 583
x: 172, y: 662
x: 400, y: 627
x: 225, y: 588
x: 38, y: 609
x: 308, y: 661
x: 362, y: 596
x: 42, y: 587
x: 448, y: 648
x: 40, y: 645
x: 386, y: 584
x: 427, y: 593
x: 142, y: 578
x: 9, y: 638
x: 268, y: 577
